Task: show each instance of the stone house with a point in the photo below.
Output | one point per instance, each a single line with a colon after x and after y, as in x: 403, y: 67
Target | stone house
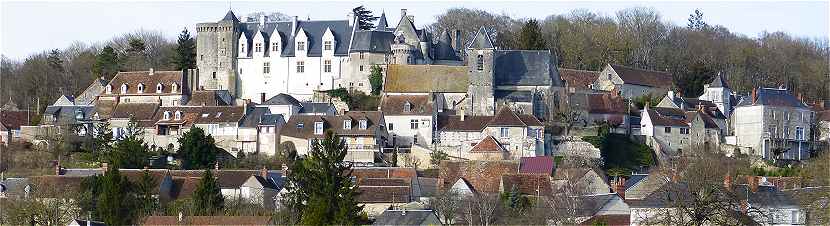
x: 520, y: 135
x: 719, y: 93
x: 671, y: 100
x: 666, y: 129
x: 633, y: 82
x: 775, y: 124
x: 166, y: 88
x: 364, y: 132
x: 410, y: 119
x: 600, y: 107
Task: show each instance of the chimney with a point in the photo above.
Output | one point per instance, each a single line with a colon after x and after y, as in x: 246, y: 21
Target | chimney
x: 620, y: 187
x: 104, y: 167
x: 294, y: 26
x: 152, y: 71
x: 752, y: 182
x: 262, y: 19
x: 411, y: 18
x: 461, y: 113
x: 263, y: 172
x: 350, y: 18
x: 261, y: 98
x: 403, y: 13
x: 754, y: 95
x: 727, y: 182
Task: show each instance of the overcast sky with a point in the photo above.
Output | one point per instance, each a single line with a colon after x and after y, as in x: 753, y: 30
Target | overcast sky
x: 30, y: 27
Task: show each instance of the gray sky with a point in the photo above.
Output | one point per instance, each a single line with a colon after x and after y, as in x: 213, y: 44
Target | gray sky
x: 30, y: 27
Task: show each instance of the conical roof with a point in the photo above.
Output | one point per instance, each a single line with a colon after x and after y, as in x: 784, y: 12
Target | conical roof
x: 481, y: 40
x: 230, y: 17
x: 382, y: 24
x: 719, y: 82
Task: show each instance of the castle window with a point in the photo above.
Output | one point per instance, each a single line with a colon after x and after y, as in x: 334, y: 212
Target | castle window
x: 174, y: 88
x: 258, y: 47
x: 202, y: 57
x: 166, y: 115
x: 140, y: 87
x: 301, y: 46
x: 159, y: 87
x: 275, y: 47
x: 407, y: 107
x: 300, y: 67
x: 327, y: 45
x: 347, y: 124
x: 123, y: 88
x: 480, y: 62
x: 178, y: 115
x: 266, y: 67
x: 327, y: 66
x: 361, y: 55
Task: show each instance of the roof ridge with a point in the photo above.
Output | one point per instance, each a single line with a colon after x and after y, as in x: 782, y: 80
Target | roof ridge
x: 641, y: 69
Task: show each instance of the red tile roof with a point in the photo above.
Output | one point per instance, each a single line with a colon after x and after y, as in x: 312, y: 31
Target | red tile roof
x: 488, y: 144
x: 14, y: 119
x: 539, y: 164
x: 394, y: 105
x: 610, y: 220
x: 483, y: 176
x: 505, y: 117
x: 133, y: 78
x: 578, y: 78
x: 529, y: 184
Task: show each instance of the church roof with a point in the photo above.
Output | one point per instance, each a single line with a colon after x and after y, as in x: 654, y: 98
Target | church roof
x: 481, y: 40
x: 382, y: 24
x: 719, y: 81
x: 525, y: 68
x: 230, y: 17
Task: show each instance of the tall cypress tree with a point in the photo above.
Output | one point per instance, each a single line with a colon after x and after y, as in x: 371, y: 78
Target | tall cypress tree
x: 530, y: 37
x: 365, y: 19
x: 207, y: 197
x: 185, y: 57
x: 115, y: 203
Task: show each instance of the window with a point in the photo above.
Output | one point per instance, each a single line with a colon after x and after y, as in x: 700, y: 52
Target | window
x: 202, y: 57
x: 480, y: 62
x: 391, y: 126
x: 347, y: 124
x: 300, y: 67
x: 266, y: 67
x: 299, y: 125
x: 684, y: 131
x: 531, y: 133
x: 258, y: 47
x: 786, y: 116
x: 413, y: 124
x: 327, y: 45
x: 361, y: 55
x: 178, y: 115
x: 242, y: 48
x: 415, y: 139
x: 175, y: 103
x: 318, y: 128
x: 504, y: 132
x: 359, y: 84
x: 363, y: 124
x: 799, y: 133
x: 786, y: 132
x: 275, y: 47
x: 327, y: 66
x: 407, y: 107
x: 667, y: 129
x: 301, y: 46
x: 361, y: 67
x: 773, y: 131
x: 166, y: 115
x: 140, y: 87
x: 159, y: 88
x: 109, y: 89
x: 214, y: 75
x: 123, y: 88
x: 174, y: 88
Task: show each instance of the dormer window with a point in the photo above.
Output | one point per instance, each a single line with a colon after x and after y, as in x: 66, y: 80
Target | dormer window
x: 318, y: 128
x: 178, y: 115
x: 166, y: 115
x: 174, y: 88
x: 257, y: 47
x: 242, y: 48
x: 480, y: 62
x: 275, y: 47
x: 327, y: 45
x: 301, y: 46
x: 363, y: 124
x: 407, y: 107
x: 300, y: 125
x: 109, y: 89
x: 123, y: 88
x: 159, y: 88
x: 347, y: 124
x: 140, y: 87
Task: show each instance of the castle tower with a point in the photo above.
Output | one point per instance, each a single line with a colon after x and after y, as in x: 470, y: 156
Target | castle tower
x: 480, y: 62
x: 217, y: 48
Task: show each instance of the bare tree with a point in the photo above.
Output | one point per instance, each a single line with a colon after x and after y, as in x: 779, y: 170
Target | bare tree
x: 446, y: 204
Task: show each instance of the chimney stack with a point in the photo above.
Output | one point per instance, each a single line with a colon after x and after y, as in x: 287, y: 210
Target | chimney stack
x: 294, y: 26
x: 152, y: 71
x: 461, y: 113
x: 403, y: 13
x: 754, y: 95
x: 619, y: 187
x: 350, y: 18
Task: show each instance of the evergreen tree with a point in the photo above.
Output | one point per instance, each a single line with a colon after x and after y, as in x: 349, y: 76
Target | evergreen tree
x: 376, y: 79
x: 207, y: 198
x: 130, y: 151
x: 185, y: 57
x: 365, y: 20
x: 144, y: 194
x: 106, y: 63
x: 320, y: 189
x: 530, y: 37
x: 696, y: 21
x: 197, y: 150
x: 115, y: 203
x: 55, y: 62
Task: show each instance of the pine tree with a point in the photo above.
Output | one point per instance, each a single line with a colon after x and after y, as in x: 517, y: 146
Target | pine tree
x: 197, y: 150
x: 106, y: 63
x: 530, y: 37
x: 130, y: 151
x: 115, y: 203
x: 320, y: 189
x: 207, y: 198
x: 376, y: 79
x: 144, y: 193
x: 185, y: 57
x: 365, y: 20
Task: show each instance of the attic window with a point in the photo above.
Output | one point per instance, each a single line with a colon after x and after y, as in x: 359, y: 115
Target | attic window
x: 318, y: 128
x: 363, y: 124
x: 347, y: 124
x: 258, y: 47
x: 205, y: 115
x: 166, y: 115
x: 299, y: 125
x: 242, y: 48
x: 301, y: 46
x: 275, y: 47
x: 218, y: 114
x: 159, y: 87
x: 174, y: 88
x: 123, y: 88
x: 480, y: 62
x: 140, y: 87
x: 109, y: 89
x: 327, y: 45
x: 407, y: 107
x: 178, y: 115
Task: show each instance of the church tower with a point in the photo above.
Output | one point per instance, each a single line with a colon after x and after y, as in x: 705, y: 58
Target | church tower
x: 480, y: 54
x: 217, y: 47
x: 718, y: 92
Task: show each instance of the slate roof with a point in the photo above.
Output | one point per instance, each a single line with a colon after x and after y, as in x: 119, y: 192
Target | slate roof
x: 405, y: 217
x: 133, y: 78
x: 315, y: 107
x: 525, y: 68
x: 590, y: 205
x: 643, y: 77
x: 260, y: 116
x: 634, y: 179
x: 481, y: 40
x: 719, y: 81
x: 333, y: 122
x: 513, y: 96
x: 394, y: 105
x: 578, y: 78
x: 488, y: 144
x: 426, y: 78
x: 382, y: 23
x: 66, y: 114
x: 282, y: 99
x: 374, y: 41
x: 14, y: 119
x: 766, y: 196
x: 230, y: 17
x: 208, y: 220
x: 774, y: 97
x: 538, y: 164
x: 314, y: 31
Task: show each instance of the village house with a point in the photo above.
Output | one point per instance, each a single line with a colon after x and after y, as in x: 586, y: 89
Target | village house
x: 719, y: 93
x: 409, y: 119
x: 492, y: 177
x: 577, y: 81
x: 518, y: 135
x: 600, y: 107
x: 671, y: 131
x: 712, y: 110
x: 383, y: 188
x: 774, y: 124
x: 364, y: 132
x: 633, y: 82
x: 11, y: 120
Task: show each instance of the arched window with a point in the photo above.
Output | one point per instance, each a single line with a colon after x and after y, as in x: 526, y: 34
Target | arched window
x: 123, y: 88
x: 480, y: 62
x: 159, y: 87
x: 174, y: 88
x: 178, y: 115
x: 166, y: 115
x: 407, y: 107
x: 109, y: 89
x: 140, y: 87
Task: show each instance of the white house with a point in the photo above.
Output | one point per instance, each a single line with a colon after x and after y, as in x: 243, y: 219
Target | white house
x: 633, y: 82
x: 410, y: 119
x: 775, y: 124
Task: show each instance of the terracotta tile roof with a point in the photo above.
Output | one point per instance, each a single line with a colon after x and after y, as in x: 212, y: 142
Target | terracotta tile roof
x: 208, y: 220
x: 610, y: 220
x: 14, y: 119
x: 139, y: 111
x: 383, y: 181
x: 527, y: 183
x: 384, y: 194
x: 394, y: 105
x: 206, y: 98
x: 488, y: 144
x: 643, y: 77
x: 384, y: 172
x: 506, y: 117
x: 605, y: 103
x: 220, y: 114
x: 483, y: 176
x: 133, y: 78
x: 578, y: 78
x: 425, y: 79
x: 667, y: 117
x: 374, y: 119
x: 539, y: 164
x: 104, y: 108
x: 50, y: 186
